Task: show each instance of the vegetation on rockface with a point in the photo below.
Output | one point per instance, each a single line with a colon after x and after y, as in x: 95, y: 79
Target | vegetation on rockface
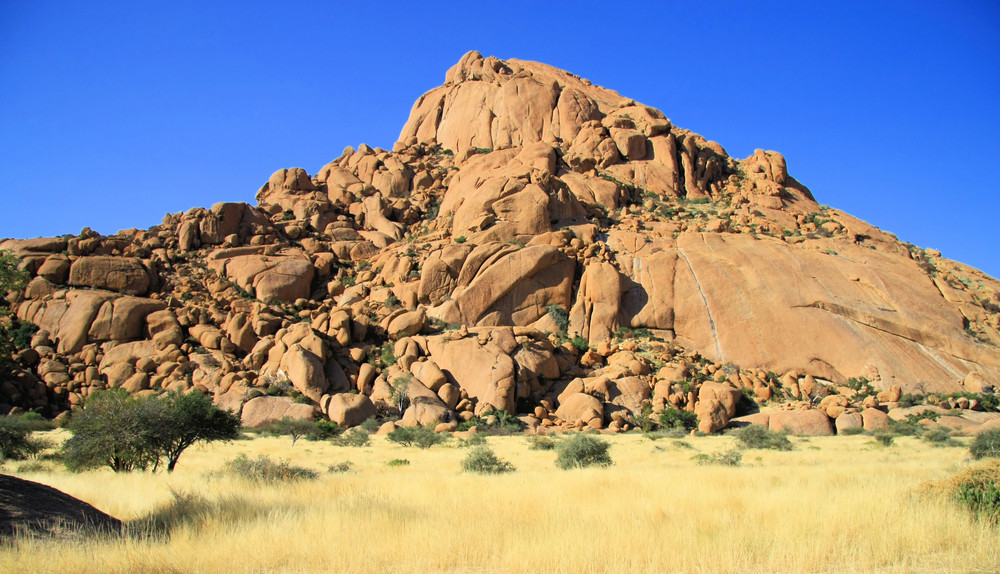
x: 14, y: 334
x: 128, y: 433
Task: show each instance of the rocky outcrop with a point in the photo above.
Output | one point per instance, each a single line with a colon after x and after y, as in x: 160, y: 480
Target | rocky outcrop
x: 533, y: 244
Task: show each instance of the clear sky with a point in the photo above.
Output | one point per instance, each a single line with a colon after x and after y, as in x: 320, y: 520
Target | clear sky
x: 115, y: 113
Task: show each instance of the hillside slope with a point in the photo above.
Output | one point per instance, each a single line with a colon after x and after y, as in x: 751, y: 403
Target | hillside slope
x: 533, y: 243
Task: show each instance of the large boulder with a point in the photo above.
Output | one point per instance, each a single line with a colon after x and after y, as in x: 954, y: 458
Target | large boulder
x: 812, y: 422
x: 485, y: 372
x: 349, y: 409
x: 581, y: 408
x: 122, y: 274
x: 306, y: 371
x: 260, y: 411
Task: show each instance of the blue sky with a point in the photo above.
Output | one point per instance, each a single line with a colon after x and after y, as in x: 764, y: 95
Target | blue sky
x: 115, y: 113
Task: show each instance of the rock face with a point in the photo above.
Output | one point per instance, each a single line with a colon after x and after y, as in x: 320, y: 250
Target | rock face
x: 534, y: 244
x: 32, y: 510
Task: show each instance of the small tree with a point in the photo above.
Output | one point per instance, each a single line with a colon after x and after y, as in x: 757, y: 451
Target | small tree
x: 191, y: 418
x: 114, y: 429
x: 127, y: 433
x: 295, y: 428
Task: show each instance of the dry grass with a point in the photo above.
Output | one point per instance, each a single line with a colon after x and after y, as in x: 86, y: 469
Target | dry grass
x: 835, y: 504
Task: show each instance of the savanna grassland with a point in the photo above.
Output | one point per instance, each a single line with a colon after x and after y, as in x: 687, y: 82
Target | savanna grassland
x: 833, y: 504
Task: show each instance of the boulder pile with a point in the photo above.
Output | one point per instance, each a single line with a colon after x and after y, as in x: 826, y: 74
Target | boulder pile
x: 533, y: 244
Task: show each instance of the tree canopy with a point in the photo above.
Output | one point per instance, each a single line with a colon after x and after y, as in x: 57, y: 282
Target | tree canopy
x: 129, y: 433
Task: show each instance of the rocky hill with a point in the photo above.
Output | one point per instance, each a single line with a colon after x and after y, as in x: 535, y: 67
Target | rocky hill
x: 533, y: 243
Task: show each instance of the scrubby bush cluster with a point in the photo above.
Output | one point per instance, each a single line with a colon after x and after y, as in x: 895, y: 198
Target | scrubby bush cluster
x: 760, y: 437
x: 986, y: 445
x: 16, y: 442
x: 263, y: 470
x: 732, y: 457
x: 482, y: 460
x: 582, y: 450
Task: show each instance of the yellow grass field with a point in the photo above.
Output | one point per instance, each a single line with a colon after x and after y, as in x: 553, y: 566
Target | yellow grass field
x: 834, y: 504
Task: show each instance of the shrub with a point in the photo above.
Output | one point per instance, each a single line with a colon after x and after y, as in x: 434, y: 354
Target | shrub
x: 420, y: 437
x: 581, y: 451
x: 397, y: 462
x: 986, y: 445
x: 263, y: 470
x: 460, y: 239
x: 733, y: 457
x: 482, y: 460
x: 671, y: 418
x: 541, y: 442
x: 498, y: 422
x: 15, y: 439
x: 885, y: 438
x: 979, y: 490
x: 559, y: 315
x: 760, y: 437
x: 345, y: 466
x: 356, y: 437
x: 939, y: 437
x: 371, y: 424
x: 852, y: 431
x: 324, y: 430
x: 475, y: 439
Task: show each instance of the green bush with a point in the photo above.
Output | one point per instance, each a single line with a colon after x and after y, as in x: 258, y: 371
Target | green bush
x: 851, y: 431
x: 371, y: 424
x: 397, y: 462
x: 671, y: 418
x: 760, y: 437
x: 733, y: 457
x: 939, y: 437
x: 324, y: 430
x: 559, y: 315
x: 581, y: 450
x: 420, y: 437
x: 474, y: 439
x: 885, y: 438
x: 482, y: 460
x: 345, y: 466
x: 986, y: 445
x: 15, y: 439
x: 263, y: 470
x: 541, y: 442
x: 496, y: 423
x: 978, y: 489
x: 356, y: 437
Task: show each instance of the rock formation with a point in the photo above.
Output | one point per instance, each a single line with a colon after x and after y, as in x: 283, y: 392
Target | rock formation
x: 533, y: 243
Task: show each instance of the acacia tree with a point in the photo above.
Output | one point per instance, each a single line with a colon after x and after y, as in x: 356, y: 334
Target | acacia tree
x: 127, y: 433
x: 114, y: 429
x: 191, y: 418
